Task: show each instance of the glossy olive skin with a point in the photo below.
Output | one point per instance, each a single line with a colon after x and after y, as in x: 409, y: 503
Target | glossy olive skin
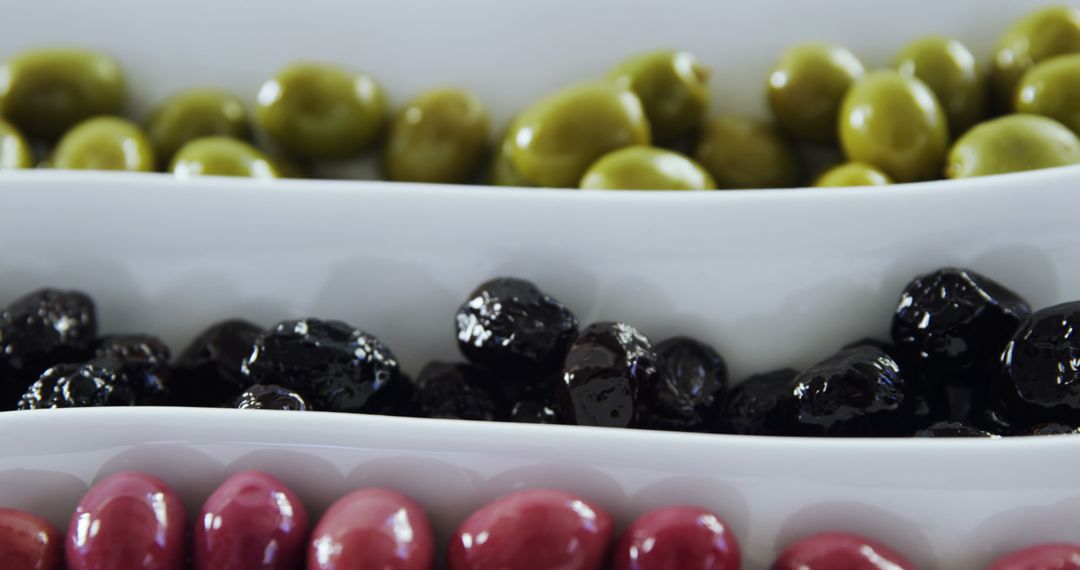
x: 1039, y: 36
x: 28, y: 542
x: 372, y: 528
x: 194, y: 114
x: 47, y: 92
x: 321, y: 111
x: 1013, y: 143
x: 128, y: 520
x: 440, y: 136
x: 835, y: 550
x: 1052, y: 89
x: 536, y: 529
x: 673, y: 88
x: 251, y: 522
x: 951, y: 71
x: 15, y: 152
x: 806, y: 87
x: 503, y: 172
x: 895, y: 123
x: 222, y: 156
x: 743, y: 153
x: 105, y: 143
x: 555, y: 141
x: 853, y: 174
x: 678, y: 538
x: 646, y: 168
x: 1054, y: 555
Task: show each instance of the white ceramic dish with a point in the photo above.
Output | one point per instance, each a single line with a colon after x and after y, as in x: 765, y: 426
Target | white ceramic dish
x: 773, y: 278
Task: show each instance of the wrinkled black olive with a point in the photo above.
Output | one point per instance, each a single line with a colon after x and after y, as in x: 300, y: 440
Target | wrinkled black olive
x: 691, y: 387
x: 78, y: 386
x: 335, y: 367
x: 1039, y: 379
x: 760, y: 404
x: 270, y: 397
x: 39, y: 330
x: 144, y: 361
x: 1050, y: 429
x: 209, y: 371
x: 856, y: 392
x: 457, y: 391
x: 535, y: 412
x: 953, y: 323
x: 607, y: 369
x: 929, y: 401
x: 952, y: 429
x: 511, y: 325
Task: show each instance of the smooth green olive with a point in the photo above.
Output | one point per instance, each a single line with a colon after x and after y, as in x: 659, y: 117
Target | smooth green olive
x: 15, y: 152
x: 853, y: 174
x: 222, y: 156
x: 440, y: 136
x: 319, y: 111
x: 673, y: 89
x: 743, y: 153
x: 806, y: 87
x: 1013, y: 143
x: 288, y: 168
x: 555, y: 141
x: 105, y: 143
x: 1052, y: 89
x: 46, y: 92
x: 894, y: 122
x: 502, y: 171
x: 646, y: 168
x: 950, y: 70
x: 1043, y: 34
x: 194, y: 114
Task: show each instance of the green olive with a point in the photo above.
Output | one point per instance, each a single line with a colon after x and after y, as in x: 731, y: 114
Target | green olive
x: 222, y: 156
x: 194, y: 114
x: 1052, y: 89
x: 1013, y: 143
x: 105, y: 143
x: 646, y: 168
x: 1043, y: 34
x: 895, y: 123
x: 288, y: 168
x: 503, y: 172
x: 853, y: 174
x: 46, y: 92
x: 440, y: 136
x: 673, y: 88
x: 744, y: 153
x: 319, y: 111
x: 806, y: 87
x: 556, y: 140
x: 949, y: 69
x: 15, y: 152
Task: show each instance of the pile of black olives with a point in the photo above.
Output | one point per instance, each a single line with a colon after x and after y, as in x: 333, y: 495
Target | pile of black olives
x: 966, y: 357
x: 935, y: 112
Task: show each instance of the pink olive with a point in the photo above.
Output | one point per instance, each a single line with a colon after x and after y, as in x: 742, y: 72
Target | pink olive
x: 678, y: 538
x: 839, y: 551
x: 539, y: 529
x: 28, y: 542
x: 251, y: 522
x: 1050, y: 556
x: 129, y: 520
x: 372, y: 529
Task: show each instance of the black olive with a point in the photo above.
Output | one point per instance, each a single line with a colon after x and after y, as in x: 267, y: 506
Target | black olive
x: 607, y: 369
x: 690, y: 389
x: 209, y: 371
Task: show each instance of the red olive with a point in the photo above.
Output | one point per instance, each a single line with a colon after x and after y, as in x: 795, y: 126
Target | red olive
x: 251, y: 522
x: 1050, y: 556
x: 127, y: 521
x: 538, y: 529
x: 678, y: 538
x: 28, y: 542
x: 839, y: 551
x: 372, y: 529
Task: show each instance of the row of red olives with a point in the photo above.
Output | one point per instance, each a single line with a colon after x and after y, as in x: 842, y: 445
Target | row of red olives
x: 135, y: 521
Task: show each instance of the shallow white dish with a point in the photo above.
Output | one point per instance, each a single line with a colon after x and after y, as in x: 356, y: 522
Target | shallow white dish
x: 772, y: 278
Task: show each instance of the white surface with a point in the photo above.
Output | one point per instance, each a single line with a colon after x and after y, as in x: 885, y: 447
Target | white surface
x: 772, y: 278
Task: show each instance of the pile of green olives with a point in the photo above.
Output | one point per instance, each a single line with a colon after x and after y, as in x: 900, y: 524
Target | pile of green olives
x: 934, y: 113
